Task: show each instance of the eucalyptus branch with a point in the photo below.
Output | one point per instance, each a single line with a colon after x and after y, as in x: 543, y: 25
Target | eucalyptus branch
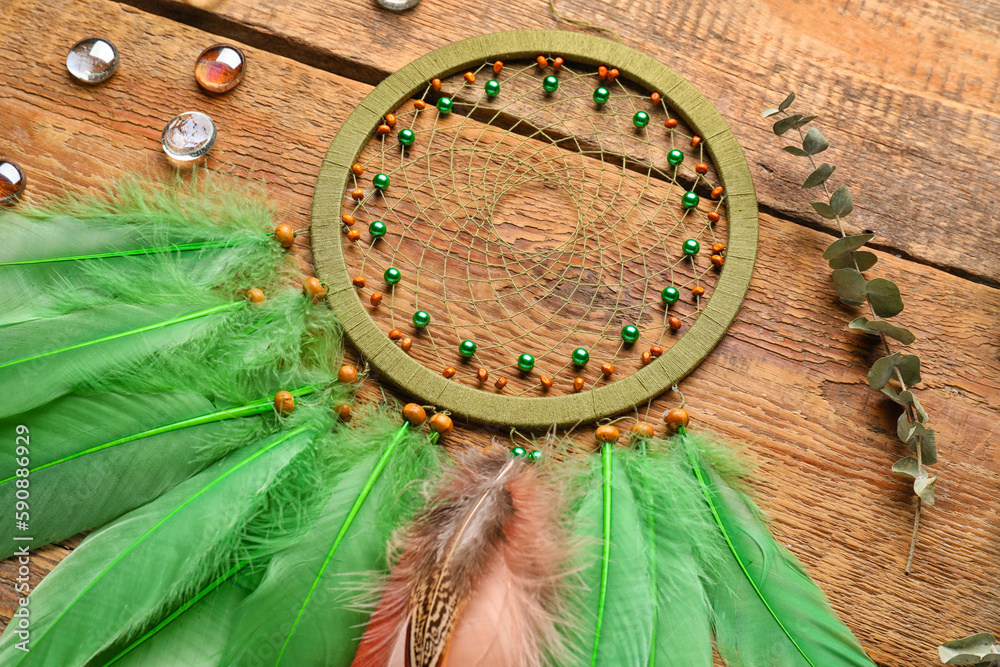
x: 882, y: 297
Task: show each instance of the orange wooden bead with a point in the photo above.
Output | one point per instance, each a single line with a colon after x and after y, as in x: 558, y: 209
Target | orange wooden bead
x: 613, y: 74
x: 383, y: 129
x: 343, y: 411
x: 671, y: 123
x: 406, y: 344
x: 500, y: 383
x: 713, y: 216
x: 390, y: 120
x: 656, y: 350
x: 646, y: 358
x: 414, y: 414
x: 353, y: 235
x: 697, y: 290
x: 717, y: 191
x: 542, y: 61
x: 470, y: 77
x: 436, y: 84
x: 676, y: 418
x: 497, y: 66
x: 441, y: 423
x: 357, y: 194
x: 546, y: 382
x: 357, y: 169
x: 255, y: 295
x: 718, y: 247
x: 655, y: 98
x: 607, y: 369
x: 602, y: 72
x: 347, y: 219
x: 284, y: 235
x: 284, y: 402
x: 642, y: 430
x: 578, y: 384
x: 557, y: 63
x: 717, y: 261
x: 701, y: 168
x: 695, y: 140
x: 395, y: 334
x: 376, y: 298
x: 347, y: 374
x: 674, y: 322
x: 483, y: 374
x: 419, y: 104
x: 607, y: 434
x: 314, y: 289
x: 449, y: 372
x: 358, y: 281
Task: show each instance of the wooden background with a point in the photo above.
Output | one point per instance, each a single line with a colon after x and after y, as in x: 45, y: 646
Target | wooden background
x: 908, y: 95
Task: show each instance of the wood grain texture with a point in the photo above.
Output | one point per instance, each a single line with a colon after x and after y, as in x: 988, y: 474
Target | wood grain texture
x: 788, y: 378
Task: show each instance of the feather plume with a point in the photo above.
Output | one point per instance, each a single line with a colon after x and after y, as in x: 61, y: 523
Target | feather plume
x: 479, y: 580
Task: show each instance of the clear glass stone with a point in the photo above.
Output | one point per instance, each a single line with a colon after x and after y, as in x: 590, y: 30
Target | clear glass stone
x: 93, y: 60
x: 188, y: 136
x: 220, y: 68
x: 12, y: 182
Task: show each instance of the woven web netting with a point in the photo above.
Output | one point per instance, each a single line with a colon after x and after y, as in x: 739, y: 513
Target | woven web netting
x: 535, y: 222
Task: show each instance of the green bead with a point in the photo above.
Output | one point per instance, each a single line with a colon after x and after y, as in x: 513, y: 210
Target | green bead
x: 526, y: 362
x: 535, y: 455
x: 690, y: 199
x: 675, y: 157
x: 467, y: 348
x: 518, y: 451
x: 581, y: 356
x: 691, y: 247
x: 407, y: 137
x: 392, y: 276
x: 630, y: 333
x: 492, y: 88
x: 670, y: 294
x: 381, y: 181
x: 550, y: 84
x: 444, y: 105
x: 421, y: 319
x: 602, y: 95
x: 377, y: 229
x: 640, y: 119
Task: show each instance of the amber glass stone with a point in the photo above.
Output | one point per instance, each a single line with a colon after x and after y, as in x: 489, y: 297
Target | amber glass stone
x: 12, y: 182
x: 220, y: 68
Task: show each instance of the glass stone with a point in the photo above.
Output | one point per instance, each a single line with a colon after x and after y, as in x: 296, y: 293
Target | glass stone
x: 12, y: 182
x: 220, y: 68
x: 188, y: 136
x: 93, y: 60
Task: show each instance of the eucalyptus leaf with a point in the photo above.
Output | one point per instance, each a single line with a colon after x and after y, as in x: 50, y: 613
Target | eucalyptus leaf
x: 924, y: 487
x: 850, y: 285
x: 906, y: 466
x: 909, y: 368
x: 841, y: 201
x: 981, y: 647
x: 892, y: 394
x: 823, y: 209
x: 884, y: 297
x: 819, y: 176
x: 906, y: 430
x: 805, y: 121
x: 881, y: 371
x: 904, y: 336
x: 845, y: 245
x: 862, y: 260
x: 770, y: 112
x: 786, y: 123
x: 795, y: 150
x: 909, y: 398
x: 928, y: 445
x: 814, y: 142
x: 787, y: 103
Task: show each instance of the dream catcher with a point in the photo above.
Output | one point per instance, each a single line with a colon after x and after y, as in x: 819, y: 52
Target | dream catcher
x: 526, y: 230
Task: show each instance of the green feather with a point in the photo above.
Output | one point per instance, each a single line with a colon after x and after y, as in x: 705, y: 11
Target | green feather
x: 768, y: 611
x: 306, y: 611
x: 123, y: 577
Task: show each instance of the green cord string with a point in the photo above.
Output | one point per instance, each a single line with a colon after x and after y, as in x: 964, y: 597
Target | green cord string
x: 123, y: 334
x: 249, y: 410
x: 707, y: 492
x: 651, y: 538
x: 348, y: 521
x: 180, y: 247
x: 606, y: 463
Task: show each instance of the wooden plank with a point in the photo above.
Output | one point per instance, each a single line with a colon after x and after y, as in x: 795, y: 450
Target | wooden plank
x: 908, y: 99
x: 787, y: 378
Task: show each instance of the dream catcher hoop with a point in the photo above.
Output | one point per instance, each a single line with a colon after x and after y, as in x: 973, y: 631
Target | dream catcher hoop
x: 646, y: 219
